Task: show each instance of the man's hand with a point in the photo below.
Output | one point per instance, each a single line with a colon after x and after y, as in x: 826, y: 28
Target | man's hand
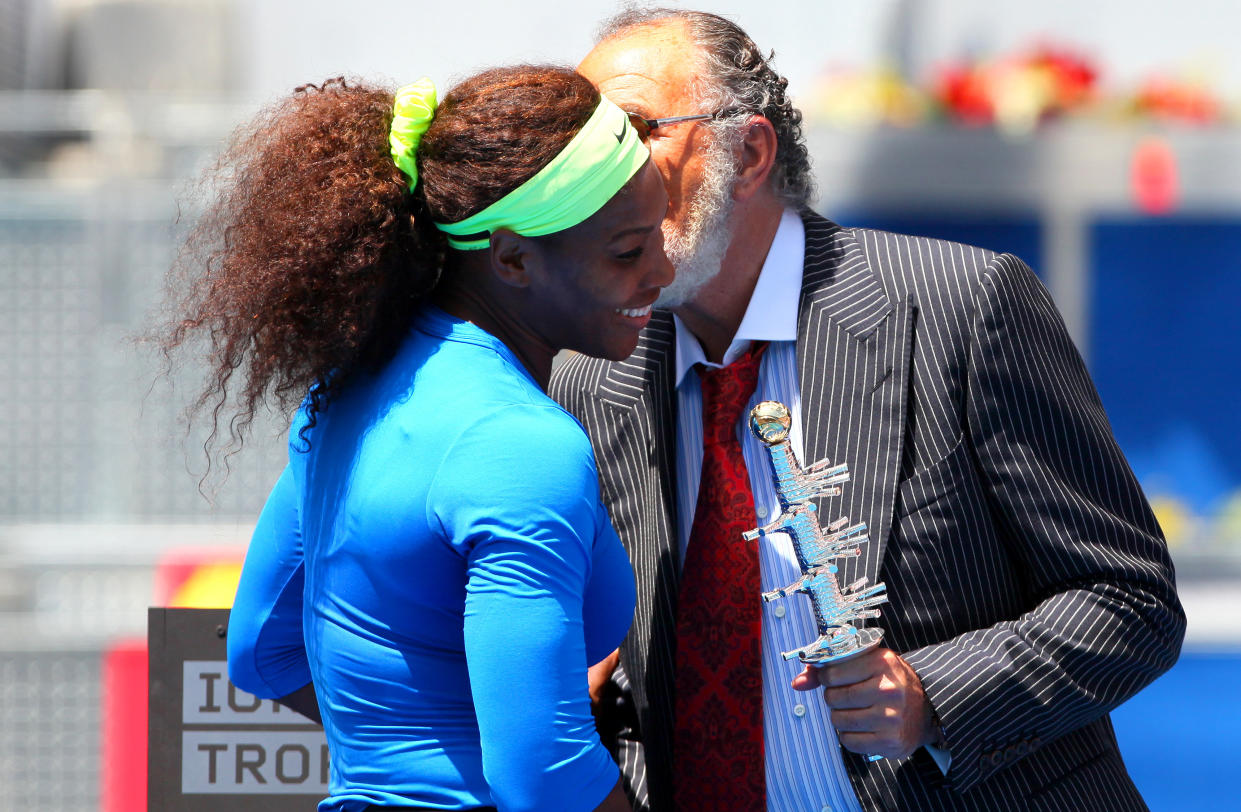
x: 304, y: 701
x: 597, y: 676
x: 877, y: 703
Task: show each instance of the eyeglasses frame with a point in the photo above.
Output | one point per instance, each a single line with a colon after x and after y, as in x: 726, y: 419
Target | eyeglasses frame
x: 654, y: 123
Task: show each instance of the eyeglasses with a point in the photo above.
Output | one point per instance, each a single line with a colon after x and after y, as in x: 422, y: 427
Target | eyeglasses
x: 645, y: 125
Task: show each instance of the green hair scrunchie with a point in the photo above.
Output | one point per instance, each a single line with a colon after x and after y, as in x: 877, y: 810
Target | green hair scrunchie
x: 412, y: 113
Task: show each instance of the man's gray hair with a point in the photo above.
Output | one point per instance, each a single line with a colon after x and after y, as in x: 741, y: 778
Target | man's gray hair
x: 735, y: 76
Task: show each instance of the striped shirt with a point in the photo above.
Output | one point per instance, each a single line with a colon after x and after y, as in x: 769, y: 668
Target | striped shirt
x: 805, y: 772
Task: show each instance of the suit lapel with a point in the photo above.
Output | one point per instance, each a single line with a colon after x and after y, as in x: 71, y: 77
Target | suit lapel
x: 854, y: 349
x: 639, y: 440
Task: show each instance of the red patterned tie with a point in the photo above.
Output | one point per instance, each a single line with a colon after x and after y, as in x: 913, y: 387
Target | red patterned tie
x: 719, y: 704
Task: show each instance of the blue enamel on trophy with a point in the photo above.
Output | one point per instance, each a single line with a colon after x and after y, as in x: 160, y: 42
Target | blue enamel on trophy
x: 836, y: 610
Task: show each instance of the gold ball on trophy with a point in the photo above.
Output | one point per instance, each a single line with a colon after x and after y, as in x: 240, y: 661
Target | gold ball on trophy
x: 770, y: 421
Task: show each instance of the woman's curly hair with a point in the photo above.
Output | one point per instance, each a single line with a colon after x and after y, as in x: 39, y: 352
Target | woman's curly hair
x: 312, y: 253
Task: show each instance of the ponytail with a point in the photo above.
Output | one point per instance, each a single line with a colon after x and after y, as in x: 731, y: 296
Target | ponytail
x: 310, y: 259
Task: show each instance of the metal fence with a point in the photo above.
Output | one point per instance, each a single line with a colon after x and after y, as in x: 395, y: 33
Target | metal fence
x: 88, y: 429
x: 95, y: 457
x: 49, y: 730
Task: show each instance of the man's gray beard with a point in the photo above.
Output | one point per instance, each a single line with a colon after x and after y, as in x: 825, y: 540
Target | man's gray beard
x: 697, y: 249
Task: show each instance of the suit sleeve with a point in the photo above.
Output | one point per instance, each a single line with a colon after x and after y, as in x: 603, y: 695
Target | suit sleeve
x: 266, y: 649
x: 1107, y: 620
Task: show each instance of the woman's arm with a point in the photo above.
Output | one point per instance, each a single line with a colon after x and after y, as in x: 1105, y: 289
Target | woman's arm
x: 266, y: 650
x: 517, y: 495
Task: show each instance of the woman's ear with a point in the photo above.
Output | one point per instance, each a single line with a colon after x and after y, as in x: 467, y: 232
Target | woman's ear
x: 513, y: 257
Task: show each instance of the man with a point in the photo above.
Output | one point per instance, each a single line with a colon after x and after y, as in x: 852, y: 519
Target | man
x: 1030, y: 589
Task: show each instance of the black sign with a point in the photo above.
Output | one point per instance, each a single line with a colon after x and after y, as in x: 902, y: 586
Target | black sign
x: 213, y: 746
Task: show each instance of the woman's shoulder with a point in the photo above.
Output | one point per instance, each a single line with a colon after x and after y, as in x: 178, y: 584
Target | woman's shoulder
x: 532, y: 427
x: 511, y: 463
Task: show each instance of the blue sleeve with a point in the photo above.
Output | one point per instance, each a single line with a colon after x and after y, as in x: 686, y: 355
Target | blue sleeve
x: 517, y: 495
x: 266, y: 649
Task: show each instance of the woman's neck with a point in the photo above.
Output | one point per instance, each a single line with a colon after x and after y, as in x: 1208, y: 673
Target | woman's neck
x: 478, y: 306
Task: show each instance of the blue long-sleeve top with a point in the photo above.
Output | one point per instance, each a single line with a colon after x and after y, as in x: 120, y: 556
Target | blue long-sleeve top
x: 436, y: 559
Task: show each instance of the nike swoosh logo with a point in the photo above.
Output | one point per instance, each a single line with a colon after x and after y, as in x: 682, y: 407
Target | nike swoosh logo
x: 620, y: 134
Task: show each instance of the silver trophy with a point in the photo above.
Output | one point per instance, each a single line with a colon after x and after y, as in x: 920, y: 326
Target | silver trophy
x: 836, y: 610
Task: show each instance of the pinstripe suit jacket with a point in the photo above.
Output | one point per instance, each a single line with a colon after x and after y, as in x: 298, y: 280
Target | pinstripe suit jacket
x: 1029, y: 584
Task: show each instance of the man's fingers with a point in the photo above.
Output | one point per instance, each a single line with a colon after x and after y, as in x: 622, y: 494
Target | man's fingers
x: 807, y: 680
x: 877, y: 704
x: 858, y: 695
x: 853, y: 720
x: 853, y: 670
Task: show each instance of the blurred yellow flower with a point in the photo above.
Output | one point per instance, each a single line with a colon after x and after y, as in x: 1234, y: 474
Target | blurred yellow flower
x: 1178, y: 522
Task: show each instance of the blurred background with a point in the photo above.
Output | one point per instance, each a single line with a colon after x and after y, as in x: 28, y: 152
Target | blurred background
x: 1098, y: 139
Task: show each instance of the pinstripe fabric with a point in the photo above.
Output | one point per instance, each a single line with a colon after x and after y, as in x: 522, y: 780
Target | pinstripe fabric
x: 1029, y: 585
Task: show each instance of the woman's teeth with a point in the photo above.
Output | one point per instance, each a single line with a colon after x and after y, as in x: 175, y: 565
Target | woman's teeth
x: 634, y: 313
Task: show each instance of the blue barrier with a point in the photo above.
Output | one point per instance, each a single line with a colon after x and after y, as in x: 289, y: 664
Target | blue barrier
x: 1014, y: 234
x: 1166, y: 350
x: 1179, y: 736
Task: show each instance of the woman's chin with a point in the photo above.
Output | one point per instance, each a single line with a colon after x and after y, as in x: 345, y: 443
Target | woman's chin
x: 613, y: 350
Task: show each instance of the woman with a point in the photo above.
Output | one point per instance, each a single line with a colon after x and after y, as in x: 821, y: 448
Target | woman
x: 433, y: 571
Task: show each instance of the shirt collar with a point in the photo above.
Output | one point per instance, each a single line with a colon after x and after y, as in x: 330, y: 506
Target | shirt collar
x: 772, y: 312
